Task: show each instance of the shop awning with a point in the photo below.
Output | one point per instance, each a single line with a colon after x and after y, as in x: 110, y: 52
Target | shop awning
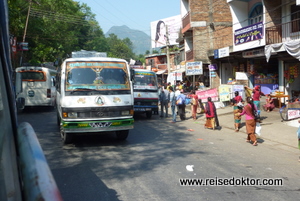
x: 160, y: 72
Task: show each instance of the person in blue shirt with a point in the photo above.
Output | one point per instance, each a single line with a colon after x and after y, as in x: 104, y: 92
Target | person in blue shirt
x: 164, y: 98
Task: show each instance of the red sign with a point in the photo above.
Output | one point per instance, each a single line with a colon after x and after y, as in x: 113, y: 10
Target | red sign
x: 203, y: 95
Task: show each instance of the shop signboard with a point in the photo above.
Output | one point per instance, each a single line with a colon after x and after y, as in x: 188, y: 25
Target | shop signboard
x: 293, y: 114
x: 204, y: 94
x: 174, y: 76
x: 254, y: 53
x: 248, y: 33
x: 213, y: 67
x: 220, y: 53
x: 194, y: 68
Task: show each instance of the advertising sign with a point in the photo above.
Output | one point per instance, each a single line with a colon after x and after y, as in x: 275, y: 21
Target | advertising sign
x: 23, y: 46
x: 247, y: 34
x: 159, y: 32
x: 224, y: 92
x: 203, y: 95
x: 194, y: 68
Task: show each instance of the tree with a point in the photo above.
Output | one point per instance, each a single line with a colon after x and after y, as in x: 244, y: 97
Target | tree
x: 56, y: 28
x: 119, y: 48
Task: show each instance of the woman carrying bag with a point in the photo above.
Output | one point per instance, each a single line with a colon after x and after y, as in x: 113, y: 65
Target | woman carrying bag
x: 249, y: 112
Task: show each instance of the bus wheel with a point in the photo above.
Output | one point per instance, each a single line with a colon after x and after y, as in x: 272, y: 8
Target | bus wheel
x: 66, y: 137
x: 149, y: 114
x: 122, y: 135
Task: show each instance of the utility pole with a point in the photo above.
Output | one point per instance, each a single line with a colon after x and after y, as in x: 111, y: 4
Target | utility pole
x: 168, y: 51
x: 25, y: 29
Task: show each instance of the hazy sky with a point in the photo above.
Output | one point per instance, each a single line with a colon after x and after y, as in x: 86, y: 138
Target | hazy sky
x: 133, y: 13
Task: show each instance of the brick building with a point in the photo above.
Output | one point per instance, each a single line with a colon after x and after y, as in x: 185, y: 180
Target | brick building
x: 206, y: 26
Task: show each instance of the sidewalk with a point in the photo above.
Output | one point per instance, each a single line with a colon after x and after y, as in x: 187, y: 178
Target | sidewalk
x: 273, y: 129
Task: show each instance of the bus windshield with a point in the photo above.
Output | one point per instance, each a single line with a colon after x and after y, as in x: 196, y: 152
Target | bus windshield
x: 99, y: 76
x: 33, y: 75
x: 145, y: 80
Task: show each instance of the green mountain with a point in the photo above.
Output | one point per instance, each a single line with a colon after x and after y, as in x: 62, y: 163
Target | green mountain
x: 140, y: 40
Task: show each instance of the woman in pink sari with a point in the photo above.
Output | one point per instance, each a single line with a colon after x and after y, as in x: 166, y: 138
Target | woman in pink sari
x: 248, y: 111
x: 269, y: 106
x: 194, y: 101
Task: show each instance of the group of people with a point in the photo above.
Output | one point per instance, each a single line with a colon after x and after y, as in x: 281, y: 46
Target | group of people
x: 170, y: 98
x: 177, y: 99
x: 251, y: 111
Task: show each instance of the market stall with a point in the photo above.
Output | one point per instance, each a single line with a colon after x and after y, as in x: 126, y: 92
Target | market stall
x: 268, y: 82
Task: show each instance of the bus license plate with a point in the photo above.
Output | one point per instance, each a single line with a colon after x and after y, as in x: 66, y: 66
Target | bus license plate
x: 100, y: 124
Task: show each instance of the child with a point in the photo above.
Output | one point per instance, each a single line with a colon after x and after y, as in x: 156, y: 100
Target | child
x: 237, y: 117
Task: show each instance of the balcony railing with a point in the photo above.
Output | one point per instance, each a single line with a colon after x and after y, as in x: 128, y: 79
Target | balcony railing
x: 283, y: 32
x: 189, y: 55
x: 186, y: 20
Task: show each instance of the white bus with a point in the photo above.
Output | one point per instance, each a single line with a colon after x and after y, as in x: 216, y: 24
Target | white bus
x: 145, y: 90
x: 94, y: 95
x: 38, y: 86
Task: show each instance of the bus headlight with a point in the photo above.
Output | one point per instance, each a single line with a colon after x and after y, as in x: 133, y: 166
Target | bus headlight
x: 126, y: 112
x: 72, y: 114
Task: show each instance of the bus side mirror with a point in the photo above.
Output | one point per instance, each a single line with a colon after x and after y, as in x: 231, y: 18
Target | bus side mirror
x: 131, y: 74
x: 18, y: 83
x: 19, y: 89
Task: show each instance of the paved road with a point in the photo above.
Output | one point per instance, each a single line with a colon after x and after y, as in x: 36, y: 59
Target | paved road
x: 149, y: 164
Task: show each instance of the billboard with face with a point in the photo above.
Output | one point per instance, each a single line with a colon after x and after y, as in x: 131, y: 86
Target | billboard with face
x: 159, y: 31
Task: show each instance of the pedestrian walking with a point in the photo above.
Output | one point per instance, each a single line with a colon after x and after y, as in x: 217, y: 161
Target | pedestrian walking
x: 164, y: 98
x: 237, y: 103
x: 211, y: 115
x: 177, y: 93
x: 172, y: 103
x: 249, y: 111
x: 180, y: 102
x: 194, y: 102
x: 256, y: 94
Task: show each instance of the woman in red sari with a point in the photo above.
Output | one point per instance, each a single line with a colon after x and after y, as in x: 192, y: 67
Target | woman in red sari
x: 210, y: 113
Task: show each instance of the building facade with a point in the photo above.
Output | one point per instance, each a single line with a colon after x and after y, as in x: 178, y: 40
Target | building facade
x: 206, y: 26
